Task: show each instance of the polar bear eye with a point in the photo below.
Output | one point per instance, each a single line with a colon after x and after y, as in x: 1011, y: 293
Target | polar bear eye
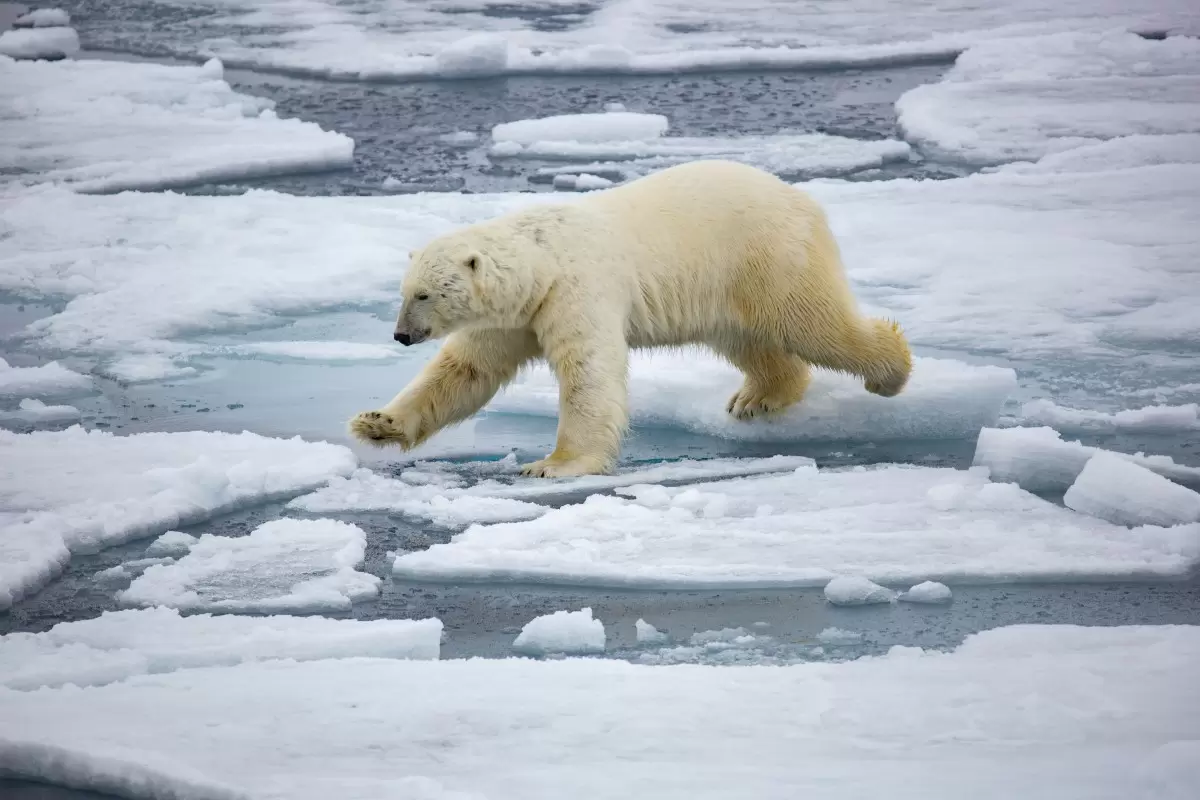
x: 423, y: 296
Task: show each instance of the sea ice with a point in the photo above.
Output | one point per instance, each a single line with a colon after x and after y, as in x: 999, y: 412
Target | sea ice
x: 854, y: 591
x: 71, y: 491
x: 43, y: 18
x: 36, y: 411
x: 583, y: 182
x: 108, y: 126
x: 569, y: 632
x: 172, y: 543
x: 611, y: 126
x: 687, y: 389
x: 35, y: 43
x: 283, y: 566
x: 145, y: 367
x: 120, y: 644
x: 48, y: 380
x: 1022, y: 98
x: 838, y: 637
x: 927, y: 592
x: 1124, y: 493
x: 890, y: 524
x: 1151, y: 419
x: 329, y: 352
x: 1038, y: 460
x: 647, y: 633
x: 1055, y: 711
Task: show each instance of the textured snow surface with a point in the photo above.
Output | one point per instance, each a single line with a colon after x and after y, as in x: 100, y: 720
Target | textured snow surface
x: 284, y: 566
x: 444, y: 494
x: 1021, y: 99
x: 843, y: 591
x: 48, y: 380
x: 569, y: 632
x: 1038, y: 460
x: 107, y: 126
x: 71, y: 491
x: 1072, y: 713
x: 119, y: 644
x: 689, y: 388
x: 1122, y: 492
x: 35, y: 43
x: 887, y: 524
x: 480, y: 38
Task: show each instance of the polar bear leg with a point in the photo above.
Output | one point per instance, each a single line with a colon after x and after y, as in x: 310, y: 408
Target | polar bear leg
x: 592, y: 376
x: 464, y: 375
x: 775, y: 380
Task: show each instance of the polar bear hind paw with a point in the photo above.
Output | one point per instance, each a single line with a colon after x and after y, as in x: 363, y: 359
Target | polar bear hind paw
x: 553, y: 467
x: 378, y: 429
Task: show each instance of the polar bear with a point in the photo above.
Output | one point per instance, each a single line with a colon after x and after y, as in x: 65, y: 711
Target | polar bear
x: 715, y: 253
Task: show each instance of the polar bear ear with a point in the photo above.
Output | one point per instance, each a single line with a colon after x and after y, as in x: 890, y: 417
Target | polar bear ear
x: 474, y: 261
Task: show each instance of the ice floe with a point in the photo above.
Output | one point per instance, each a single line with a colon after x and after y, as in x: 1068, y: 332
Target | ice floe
x: 1059, y: 711
x: 844, y: 591
x: 927, y: 592
x: 944, y: 399
x: 1125, y: 493
x: 120, y: 644
x: 566, y: 632
x: 36, y: 43
x: 48, y: 380
x: 1151, y: 419
x: 284, y: 566
x: 72, y: 491
x: 108, y: 126
x: 35, y: 411
x: 888, y: 524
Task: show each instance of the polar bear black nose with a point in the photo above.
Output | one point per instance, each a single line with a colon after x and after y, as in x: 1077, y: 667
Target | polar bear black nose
x: 402, y: 338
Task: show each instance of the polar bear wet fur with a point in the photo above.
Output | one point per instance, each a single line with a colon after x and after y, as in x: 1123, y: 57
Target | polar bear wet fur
x: 710, y: 252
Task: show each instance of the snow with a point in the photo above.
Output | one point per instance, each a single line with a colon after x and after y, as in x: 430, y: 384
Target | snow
x: 889, y: 524
x: 48, y: 380
x: 927, y: 592
x: 1151, y: 419
x: 1038, y: 460
x: 440, y: 493
x: 1124, y: 493
x: 77, y: 491
x: 568, y: 632
x: 283, y: 566
x: 688, y: 388
x: 120, y: 644
x: 107, y: 126
x: 1034, y: 711
x: 647, y: 633
x: 612, y: 126
x: 795, y: 154
x: 35, y: 411
x: 36, y: 43
x: 855, y: 591
x: 43, y: 18
x: 1021, y: 99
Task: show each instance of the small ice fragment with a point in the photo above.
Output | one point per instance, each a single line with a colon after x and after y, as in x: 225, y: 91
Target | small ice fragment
x: 838, y: 636
x: 610, y: 126
x: 43, y: 18
x: 459, y: 137
x: 647, y: 633
x: 37, y: 43
x: 506, y: 149
x: 1119, y: 491
x: 31, y: 410
x: 611, y: 107
x: 927, y: 592
x: 847, y: 591
x: 171, y: 543
x: 573, y: 632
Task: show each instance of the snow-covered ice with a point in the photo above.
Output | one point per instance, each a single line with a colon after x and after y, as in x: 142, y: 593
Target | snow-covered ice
x: 35, y: 411
x: 1124, y: 493
x: 35, y: 43
x: 688, y: 389
x: 1038, y: 460
x: 71, y: 491
x: 441, y: 493
x: 612, y: 126
x: 645, y: 633
x: 566, y: 632
x: 856, y: 591
x: 1020, y: 99
x: 282, y: 566
x: 120, y: 644
x: 1068, y: 712
x: 1151, y: 419
x: 107, y: 126
x: 43, y: 18
x: 48, y: 380
x: 889, y: 524
x: 927, y: 592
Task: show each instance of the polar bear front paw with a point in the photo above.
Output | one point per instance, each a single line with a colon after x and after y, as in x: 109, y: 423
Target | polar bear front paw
x: 379, y: 429
x: 552, y: 467
x: 749, y: 403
